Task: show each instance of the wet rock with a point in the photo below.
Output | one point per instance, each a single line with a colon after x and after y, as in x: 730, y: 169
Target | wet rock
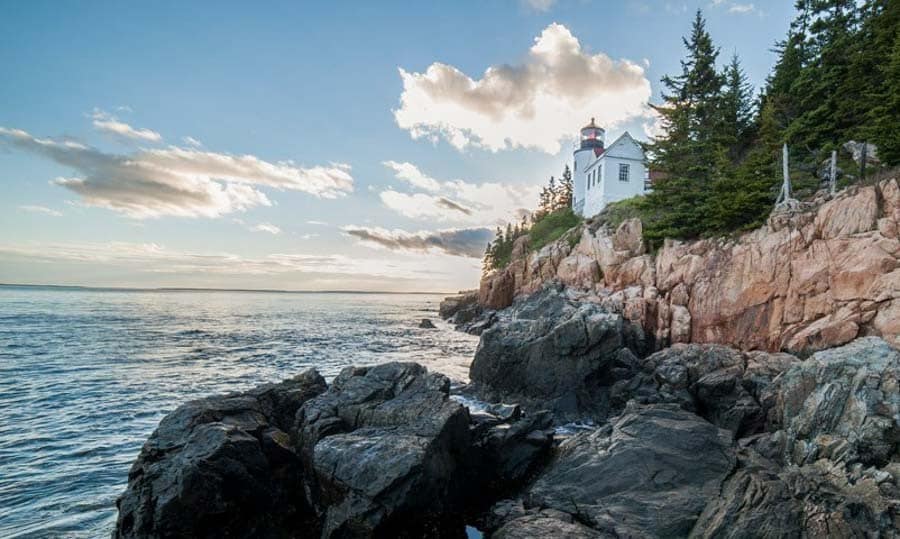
x: 426, y: 323
x: 451, y: 305
x: 384, y: 448
x: 648, y: 474
x: 550, y: 352
x: 222, y: 466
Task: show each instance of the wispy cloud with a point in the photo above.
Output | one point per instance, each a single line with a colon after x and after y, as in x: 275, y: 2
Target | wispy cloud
x: 465, y: 242
x: 742, y: 8
x: 191, y: 141
x: 457, y: 201
x: 531, y: 105
x: 539, y: 5
x: 266, y: 227
x: 41, y: 209
x: 103, y: 121
x: 178, y: 181
x: 154, y: 258
x: 736, y: 8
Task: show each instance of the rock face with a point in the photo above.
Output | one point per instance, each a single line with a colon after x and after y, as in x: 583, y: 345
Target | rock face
x: 222, y: 466
x: 806, y: 281
x: 384, y: 451
x: 728, y: 388
x: 550, y: 352
x: 640, y: 476
x: 832, y: 468
x: 426, y: 323
x: 384, y: 446
x: 819, y: 458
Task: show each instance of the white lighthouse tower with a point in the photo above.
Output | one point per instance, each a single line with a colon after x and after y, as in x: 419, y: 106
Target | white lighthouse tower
x: 602, y: 174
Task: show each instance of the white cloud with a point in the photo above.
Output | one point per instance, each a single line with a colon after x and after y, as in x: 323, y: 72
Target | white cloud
x: 742, y: 8
x: 266, y: 227
x: 41, y: 209
x: 178, y: 181
x: 458, y: 201
x: 105, y: 122
x: 465, y: 242
x: 537, y: 104
x: 408, y: 172
x: 191, y: 141
x: 317, y: 223
x: 539, y: 5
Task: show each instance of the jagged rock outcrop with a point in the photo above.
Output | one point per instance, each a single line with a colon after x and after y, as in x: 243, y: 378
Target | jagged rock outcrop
x: 825, y: 461
x: 806, y: 281
x: 727, y: 387
x: 550, y: 352
x: 641, y: 476
x: 222, y: 466
x: 384, y: 451
x: 832, y: 469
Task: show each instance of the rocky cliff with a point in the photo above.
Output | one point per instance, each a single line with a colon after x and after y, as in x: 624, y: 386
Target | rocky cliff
x: 808, y: 280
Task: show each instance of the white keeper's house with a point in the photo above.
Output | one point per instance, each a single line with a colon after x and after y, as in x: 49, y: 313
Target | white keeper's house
x: 603, y: 174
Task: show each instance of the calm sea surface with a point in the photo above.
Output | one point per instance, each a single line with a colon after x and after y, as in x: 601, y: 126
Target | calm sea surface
x: 85, y: 376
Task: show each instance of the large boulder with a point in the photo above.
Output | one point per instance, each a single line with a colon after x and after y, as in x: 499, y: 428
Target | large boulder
x: 222, y: 467
x: 648, y: 474
x: 842, y: 404
x: 451, y: 305
x: 725, y: 386
x: 831, y: 466
x: 384, y: 448
x: 550, y: 352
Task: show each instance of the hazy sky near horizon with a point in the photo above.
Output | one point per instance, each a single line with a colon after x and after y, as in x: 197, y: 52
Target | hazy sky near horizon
x: 309, y: 146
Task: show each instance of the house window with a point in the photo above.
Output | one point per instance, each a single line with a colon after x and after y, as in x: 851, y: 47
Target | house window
x: 623, y: 172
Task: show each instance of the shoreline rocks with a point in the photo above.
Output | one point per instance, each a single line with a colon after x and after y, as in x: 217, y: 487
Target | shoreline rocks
x: 695, y: 440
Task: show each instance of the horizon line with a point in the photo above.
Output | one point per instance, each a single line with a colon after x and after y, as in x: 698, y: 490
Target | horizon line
x: 205, y: 289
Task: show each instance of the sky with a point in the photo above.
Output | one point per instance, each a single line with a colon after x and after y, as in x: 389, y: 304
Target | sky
x: 314, y: 146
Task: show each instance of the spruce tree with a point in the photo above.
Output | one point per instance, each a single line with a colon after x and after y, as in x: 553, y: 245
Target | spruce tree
x: 690, y: 150
x: 737, y: 119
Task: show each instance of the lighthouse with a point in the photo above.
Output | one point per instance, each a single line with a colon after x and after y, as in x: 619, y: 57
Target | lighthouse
x: 604, y: 174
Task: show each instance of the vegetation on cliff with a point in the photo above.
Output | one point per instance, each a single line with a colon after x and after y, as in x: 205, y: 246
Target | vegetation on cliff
x: 836, y: 80
x: 553, y: 218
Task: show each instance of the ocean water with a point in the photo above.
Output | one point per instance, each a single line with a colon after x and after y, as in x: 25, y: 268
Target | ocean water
x: 85, y: 376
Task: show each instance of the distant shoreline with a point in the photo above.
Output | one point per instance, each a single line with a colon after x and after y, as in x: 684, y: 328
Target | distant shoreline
x: 200, y: 289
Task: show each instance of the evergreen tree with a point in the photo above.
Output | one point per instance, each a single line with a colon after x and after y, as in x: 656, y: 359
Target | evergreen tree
x: 690, y: 150
x: 885, y: 118
x: 566, y: 189
x: 737, y: 119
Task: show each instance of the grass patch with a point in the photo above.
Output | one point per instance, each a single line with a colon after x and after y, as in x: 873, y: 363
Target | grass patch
x: 551, y: 227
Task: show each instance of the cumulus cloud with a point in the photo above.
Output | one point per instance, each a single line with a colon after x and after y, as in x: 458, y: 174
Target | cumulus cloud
x: 465, y: 242
x: 107, y: 123
x: 178, y: 181
x: 41, y: 209
x: 457, y: 200
x: 266, y: 227
x: 536, y: 104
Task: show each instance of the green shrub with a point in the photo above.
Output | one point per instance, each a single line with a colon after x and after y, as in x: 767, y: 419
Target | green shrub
x: 551, y: 227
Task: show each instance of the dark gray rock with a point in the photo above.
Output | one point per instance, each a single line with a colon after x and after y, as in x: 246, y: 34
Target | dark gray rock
x: 725, y: 386
x: 549, y: 352
x: 648, y: 474
x: 842, y: 404
x: 833, y: 468
x: 426, y: 323
x: 464, y: 301
x: 222, y: 466
x: 385, y: 449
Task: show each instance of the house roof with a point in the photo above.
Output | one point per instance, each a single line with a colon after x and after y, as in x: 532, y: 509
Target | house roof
x: 603, y: 152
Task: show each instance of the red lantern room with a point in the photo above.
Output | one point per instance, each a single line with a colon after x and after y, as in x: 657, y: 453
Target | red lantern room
x: 592, y: 136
